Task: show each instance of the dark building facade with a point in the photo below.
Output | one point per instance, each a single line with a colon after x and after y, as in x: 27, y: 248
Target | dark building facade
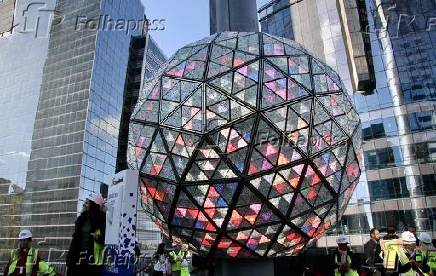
x: 228, y: 15
x: 397, y: 39
x: 76, y: 111
x: 145, y: 60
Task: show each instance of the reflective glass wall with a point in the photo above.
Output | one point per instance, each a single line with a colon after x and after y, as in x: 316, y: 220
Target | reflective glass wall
x: 145, y: 60
x: 67, y: 124
x: 149, y: 235
x: 275, y: 18
x: 398, y: 121
x: 20, y: 81
x: 107, y: 92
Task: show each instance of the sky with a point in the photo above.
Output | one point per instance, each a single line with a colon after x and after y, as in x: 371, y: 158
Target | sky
x: 185, y: 21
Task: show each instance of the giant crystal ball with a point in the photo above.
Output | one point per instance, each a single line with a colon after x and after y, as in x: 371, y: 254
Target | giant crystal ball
x: 247, y: 146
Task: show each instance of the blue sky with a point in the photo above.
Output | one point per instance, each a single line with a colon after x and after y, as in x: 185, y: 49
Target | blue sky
x: 185, y: 21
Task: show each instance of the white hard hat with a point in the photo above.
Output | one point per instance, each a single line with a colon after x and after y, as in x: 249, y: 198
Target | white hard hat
x: 97, y: 199
x: 24, y: 234
x: 408, y: 237
x: 425, y: 238
x: 341, y: 240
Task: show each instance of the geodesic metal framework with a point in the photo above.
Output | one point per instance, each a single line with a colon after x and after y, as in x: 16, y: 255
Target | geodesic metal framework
x: 246, y: 145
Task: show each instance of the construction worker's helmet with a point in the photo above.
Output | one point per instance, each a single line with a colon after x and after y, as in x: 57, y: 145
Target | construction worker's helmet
x: 342, y: 240
x: 24, y: 235
x: 425, y: 238
x: 408, y: 237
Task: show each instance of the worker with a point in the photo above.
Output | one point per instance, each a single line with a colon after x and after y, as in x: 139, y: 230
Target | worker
x: 178, y: 260
x: 412, y: 229
x: 86, y: 253
x: 185, y: 265
x: 391, y: 233
x: 344, y: 258
x: 426, y: 253
x: 372, y: 251
x: 406, y: 254
x: 25, y: 260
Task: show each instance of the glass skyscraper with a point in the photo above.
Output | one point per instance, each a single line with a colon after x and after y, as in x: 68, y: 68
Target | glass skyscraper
x: 396, y: 66
x: 21, y: 78
x: 276, y: 18
x: 144, y: 62
x: 63, y: 69
x: 148, y: 234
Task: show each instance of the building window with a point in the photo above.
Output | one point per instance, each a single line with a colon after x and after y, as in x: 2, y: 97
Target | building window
x: 385, y: 127
x: 424, y: 152
x: 391, y: 127
x: 381, y: 98
x: 428, y: 182
x: 418, y: 93
x: 383, y: 158
x: 398, y: 187
x: 399, y: 218
x: 388, y: 189
x: 373, y: 130
x: 351, y: 224
x: 422, y: 120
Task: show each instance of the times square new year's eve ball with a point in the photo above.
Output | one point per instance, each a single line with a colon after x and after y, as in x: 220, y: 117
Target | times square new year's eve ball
x: 246, y: 145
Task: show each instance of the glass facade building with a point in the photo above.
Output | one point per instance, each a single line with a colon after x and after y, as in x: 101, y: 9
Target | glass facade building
x: 61, y: 108
x: 154, y: 58
x: 144, y: 62
x: 21, y: 78
x: 147, y: 232
x: 398, y: 122
x: 275, y: 18
x: 228, y: 15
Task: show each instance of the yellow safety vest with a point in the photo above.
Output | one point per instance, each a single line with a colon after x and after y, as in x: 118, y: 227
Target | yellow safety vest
x: 419, y: 255
x: 98, y: 250
x: 390, y: 254
x: 176, y: 265
x: 184, y: 270
x: 32, y: 255
x: 350, y: 272
x: 431, y: 260
x: 428, y: 257
x: 403, y: 259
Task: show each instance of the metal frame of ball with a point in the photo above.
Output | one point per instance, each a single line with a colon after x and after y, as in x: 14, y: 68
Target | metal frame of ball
x: 352, y: 143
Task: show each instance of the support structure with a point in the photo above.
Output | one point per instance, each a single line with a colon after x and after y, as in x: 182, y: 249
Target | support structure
x: 234, y: 16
